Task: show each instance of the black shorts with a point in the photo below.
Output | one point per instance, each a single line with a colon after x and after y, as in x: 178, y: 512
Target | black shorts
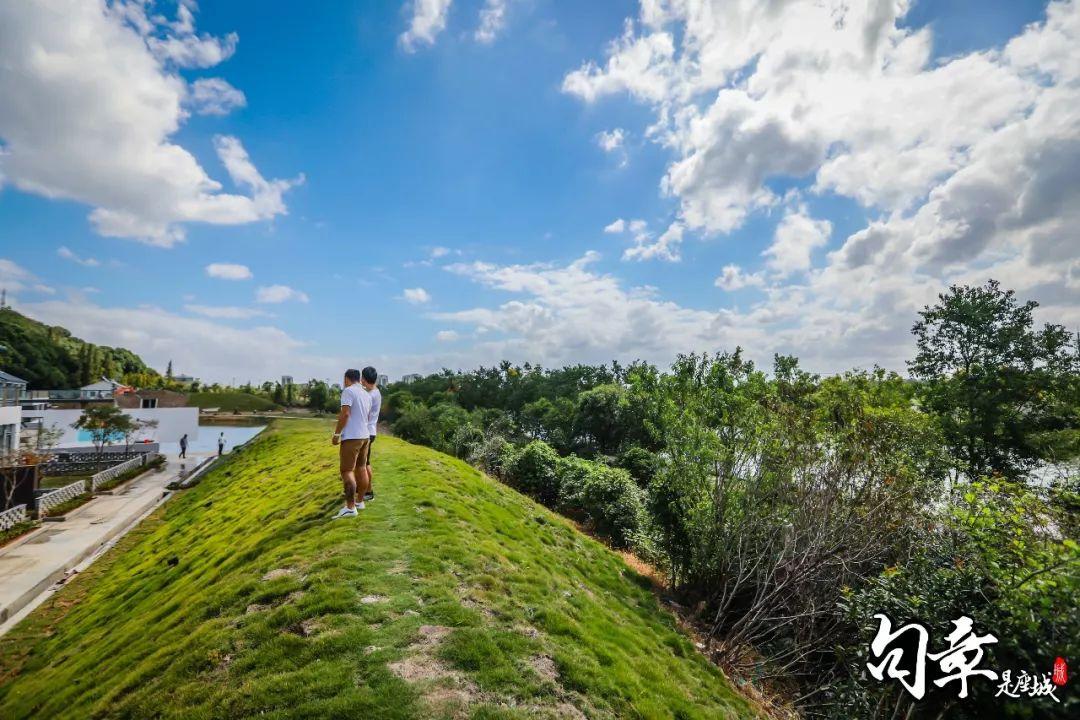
x: 371, y: 443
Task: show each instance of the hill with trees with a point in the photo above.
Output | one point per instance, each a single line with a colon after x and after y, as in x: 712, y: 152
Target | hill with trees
x: 49, y: 357
x: 451, y: 596
x: 789, y: 509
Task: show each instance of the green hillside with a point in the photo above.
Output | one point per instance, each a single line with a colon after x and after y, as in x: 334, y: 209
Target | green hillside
x: 49, y: 357
x: 231, y: 400
x: 452, y: 596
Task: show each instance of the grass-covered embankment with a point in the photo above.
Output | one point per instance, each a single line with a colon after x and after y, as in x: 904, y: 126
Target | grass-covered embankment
x: 451, y: 596
x: 231, y: 401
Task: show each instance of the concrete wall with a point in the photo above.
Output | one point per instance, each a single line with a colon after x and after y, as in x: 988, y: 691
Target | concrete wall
x: 12, y: 415
x: 172, y: 423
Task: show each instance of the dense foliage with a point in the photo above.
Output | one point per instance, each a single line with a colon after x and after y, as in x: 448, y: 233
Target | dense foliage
x: 50, y: 358
x: 788, y: 509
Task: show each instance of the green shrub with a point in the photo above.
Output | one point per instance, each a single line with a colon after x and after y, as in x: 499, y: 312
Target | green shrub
x: 535, y: 472
x: 607, y: 496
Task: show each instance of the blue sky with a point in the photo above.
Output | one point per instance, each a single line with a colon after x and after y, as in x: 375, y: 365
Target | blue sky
x: 472, y: 169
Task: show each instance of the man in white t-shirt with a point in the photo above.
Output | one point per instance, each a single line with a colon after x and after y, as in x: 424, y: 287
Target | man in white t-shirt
x: 368, y: 377
x: 351, y: 437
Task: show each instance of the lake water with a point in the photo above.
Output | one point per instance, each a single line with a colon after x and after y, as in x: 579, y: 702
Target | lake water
x: 205, y: 441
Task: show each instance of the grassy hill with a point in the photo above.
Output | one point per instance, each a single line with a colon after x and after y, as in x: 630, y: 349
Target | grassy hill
x: 49, y: 357
x: 451, y: 596
x: 230, y: 400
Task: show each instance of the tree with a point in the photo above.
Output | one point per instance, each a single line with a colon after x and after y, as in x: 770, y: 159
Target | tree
x: 134, y: 429
x: 105, y: 423
x: 168, y: 371
x: 998, y: 386
x: 318, y: 395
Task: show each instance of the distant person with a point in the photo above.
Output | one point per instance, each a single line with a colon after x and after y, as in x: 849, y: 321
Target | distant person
x: 183, y: 446
x: 221, y: 443
x: 368, y: 377
x: 351, y: 437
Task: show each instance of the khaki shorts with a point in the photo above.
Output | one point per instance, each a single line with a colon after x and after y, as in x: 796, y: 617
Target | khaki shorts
x: 353, y: 454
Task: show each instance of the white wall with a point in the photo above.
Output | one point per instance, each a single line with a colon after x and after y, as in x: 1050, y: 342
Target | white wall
x: 172, y: 423
x: 12, y: 415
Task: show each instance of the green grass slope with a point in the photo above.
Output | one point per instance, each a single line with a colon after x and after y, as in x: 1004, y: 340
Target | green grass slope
x: 451, y: 597
x: 229, y: 401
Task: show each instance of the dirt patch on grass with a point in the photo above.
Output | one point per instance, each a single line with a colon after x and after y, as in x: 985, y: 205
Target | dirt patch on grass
x: 447, y: 692
x: 545, y: 668
x: 373, y: 599
x: 278, y: 573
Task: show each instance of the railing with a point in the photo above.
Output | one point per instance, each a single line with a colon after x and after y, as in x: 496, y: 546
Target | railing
x: 50, y: 500
x: 108, y: 474
x: 12, y: 517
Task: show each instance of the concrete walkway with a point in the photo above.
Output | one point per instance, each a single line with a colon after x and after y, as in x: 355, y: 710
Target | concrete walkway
x: 46, y: 557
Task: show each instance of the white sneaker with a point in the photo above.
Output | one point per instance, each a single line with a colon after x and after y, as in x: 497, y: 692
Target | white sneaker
x: 345, y: 512
x: 360, y: 506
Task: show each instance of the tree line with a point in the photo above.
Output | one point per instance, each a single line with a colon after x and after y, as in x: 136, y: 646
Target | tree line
x: 786, y: 509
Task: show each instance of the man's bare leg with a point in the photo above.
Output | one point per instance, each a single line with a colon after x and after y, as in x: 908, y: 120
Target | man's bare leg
x: 364, y: 482
x: 348, y: 479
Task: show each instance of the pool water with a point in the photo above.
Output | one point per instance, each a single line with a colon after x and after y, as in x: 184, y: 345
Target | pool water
x: 206, y: 440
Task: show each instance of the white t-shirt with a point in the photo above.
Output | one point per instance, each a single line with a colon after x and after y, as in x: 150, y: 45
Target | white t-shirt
x: 373, y: 415
x: 359, y: 402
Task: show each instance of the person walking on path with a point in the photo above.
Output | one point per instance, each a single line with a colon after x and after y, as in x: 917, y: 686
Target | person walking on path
x: 183, y: 446
x: 368, y: 377
x: 351, y: 437
x: 221, y: 443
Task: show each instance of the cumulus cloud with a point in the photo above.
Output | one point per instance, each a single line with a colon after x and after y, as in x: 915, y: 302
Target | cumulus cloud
x: 492, y: 20
x: 797, y: 236
x: 613, y: 142
x: 99, y: 99
x: 69, y: 254
x: 967, y: 166
x: 214, y: 96
x: 229, y: 271
x: 279, y: 294
x: 446, y: 336
x: 416, y: 296
x: 645, y: 245
x: 732, y: 277
x: 225, y: 312
x: 428, y: 20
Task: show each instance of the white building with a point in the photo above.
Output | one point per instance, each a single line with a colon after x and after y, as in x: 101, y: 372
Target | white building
x: 11, y: 388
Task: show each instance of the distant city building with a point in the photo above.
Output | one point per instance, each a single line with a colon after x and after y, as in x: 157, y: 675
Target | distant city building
x: 11, y: 390
x: 286, y: 380
x: 383, y: 381
x: 185, y: 379
x: 410, y: 378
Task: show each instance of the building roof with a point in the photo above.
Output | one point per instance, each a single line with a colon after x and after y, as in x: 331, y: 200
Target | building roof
x: 101, y: 385
x: 9, y: 378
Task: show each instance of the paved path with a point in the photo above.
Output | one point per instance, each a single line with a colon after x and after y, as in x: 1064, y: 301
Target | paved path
x: 32, y: 565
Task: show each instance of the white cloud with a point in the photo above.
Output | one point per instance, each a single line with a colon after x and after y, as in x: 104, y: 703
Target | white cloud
x: 428, y: 20
x: 732, y: 277
x: 225, y: 312
x: 99, y: 99
x: 218, y: 351
x: 646, y: 247
x: 616, y: 226
x: 279, y: 294
x: 797, y: 235
x: 446, y: 336
x: 611, y: 140
x: 229, y: 271
x: 492, y: 20
x: 14, y: 277
x: 69, y: 254
x: 416, y: 296
x: 968, y: 165
x: 214, y: 96
x: 438, y: 252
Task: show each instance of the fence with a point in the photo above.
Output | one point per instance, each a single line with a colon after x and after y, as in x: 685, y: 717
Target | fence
x: 116, y: 470
x: 12, y: 517
x: 50, y: 500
